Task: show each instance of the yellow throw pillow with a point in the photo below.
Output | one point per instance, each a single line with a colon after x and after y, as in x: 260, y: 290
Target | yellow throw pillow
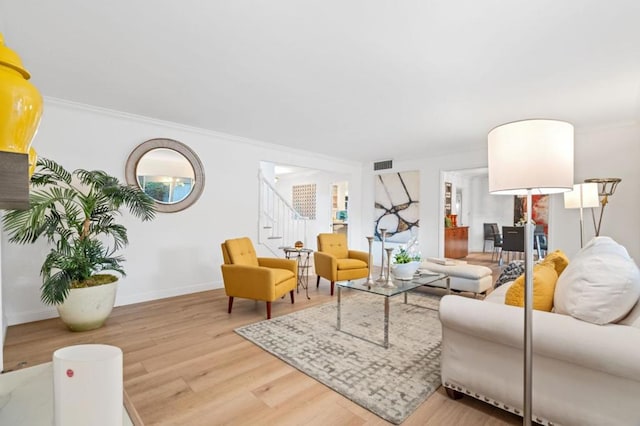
x: 544, y: 285
x: 558, y: 259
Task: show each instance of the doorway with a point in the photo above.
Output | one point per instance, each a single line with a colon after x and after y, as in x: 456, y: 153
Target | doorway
x: 473, y: 204
x: 340, y: 207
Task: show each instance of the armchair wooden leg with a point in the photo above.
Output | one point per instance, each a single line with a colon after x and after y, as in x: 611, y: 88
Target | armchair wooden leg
x: 268, y: 310
x: 291, y: 293
x: 318, y: 282
x: 230, y: 304
x: 332, y: 285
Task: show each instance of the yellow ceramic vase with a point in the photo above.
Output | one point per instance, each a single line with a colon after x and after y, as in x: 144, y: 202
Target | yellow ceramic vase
x: 20, y: 103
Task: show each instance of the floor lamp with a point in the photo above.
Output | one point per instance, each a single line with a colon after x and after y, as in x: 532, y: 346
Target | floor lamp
x: 607, y: 188
x: 530, y: 157
x: 583, y: 196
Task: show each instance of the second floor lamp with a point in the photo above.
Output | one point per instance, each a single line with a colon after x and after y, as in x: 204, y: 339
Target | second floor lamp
x: 583, y: 196
x: 606, y: 188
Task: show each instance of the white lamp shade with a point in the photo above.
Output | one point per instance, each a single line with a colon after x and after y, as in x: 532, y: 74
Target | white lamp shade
x: 584, y: 195
x: 534, y: 155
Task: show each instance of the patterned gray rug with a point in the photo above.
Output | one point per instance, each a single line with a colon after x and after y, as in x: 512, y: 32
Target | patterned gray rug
x: 392, y: 382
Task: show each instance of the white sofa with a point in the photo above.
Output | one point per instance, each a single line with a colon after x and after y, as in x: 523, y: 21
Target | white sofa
x: 583, y: 373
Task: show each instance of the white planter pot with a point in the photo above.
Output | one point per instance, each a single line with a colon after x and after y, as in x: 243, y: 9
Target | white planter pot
x: 404, y: 271
x: 88, y: 308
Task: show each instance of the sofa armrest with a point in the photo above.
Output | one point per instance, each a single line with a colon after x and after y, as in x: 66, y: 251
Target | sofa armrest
x: 608, y: 348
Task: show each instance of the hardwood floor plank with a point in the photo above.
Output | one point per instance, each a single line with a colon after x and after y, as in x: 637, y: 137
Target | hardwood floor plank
x: 184, y: 364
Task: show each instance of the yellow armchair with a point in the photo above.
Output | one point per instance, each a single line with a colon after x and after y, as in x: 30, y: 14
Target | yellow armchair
x: 334, y: 261
x: 259, y: 278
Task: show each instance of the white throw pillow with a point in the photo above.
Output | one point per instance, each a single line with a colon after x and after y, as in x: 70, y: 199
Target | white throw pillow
x: 600, y: 285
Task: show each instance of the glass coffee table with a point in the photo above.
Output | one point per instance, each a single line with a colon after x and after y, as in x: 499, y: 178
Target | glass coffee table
x: 401, y: 287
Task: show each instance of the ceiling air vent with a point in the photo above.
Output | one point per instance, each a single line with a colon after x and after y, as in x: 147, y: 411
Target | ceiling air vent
x: 382, y: 165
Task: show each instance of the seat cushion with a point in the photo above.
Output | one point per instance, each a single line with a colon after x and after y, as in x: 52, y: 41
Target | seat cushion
x: 344, y: 264
x: 282, y: 275
x: 633, y: 319
x: 241, y: 252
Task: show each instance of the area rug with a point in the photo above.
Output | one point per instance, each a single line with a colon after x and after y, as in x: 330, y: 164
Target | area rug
x: 391, y: 382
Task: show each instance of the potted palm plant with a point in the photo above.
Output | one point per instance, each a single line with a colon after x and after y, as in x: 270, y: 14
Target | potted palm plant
x: 76, y: 213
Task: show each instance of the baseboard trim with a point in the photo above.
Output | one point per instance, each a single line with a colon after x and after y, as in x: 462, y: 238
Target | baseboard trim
x: 51, y: 312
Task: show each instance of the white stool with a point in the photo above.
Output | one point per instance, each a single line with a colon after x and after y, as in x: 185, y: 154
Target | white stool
x: 87, y: 385
x: 464, y: 277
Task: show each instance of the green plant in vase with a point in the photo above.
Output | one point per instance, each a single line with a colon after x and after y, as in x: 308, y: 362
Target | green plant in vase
x: 403, y: 256
x: 405, y: 265
x: 76, y: 213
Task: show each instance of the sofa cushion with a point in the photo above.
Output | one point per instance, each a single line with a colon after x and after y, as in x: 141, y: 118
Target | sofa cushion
x: 633, y: 318
x: 558, y: 259
x: 544, y: 283
x: 600, y: 285
x: 512, y: 271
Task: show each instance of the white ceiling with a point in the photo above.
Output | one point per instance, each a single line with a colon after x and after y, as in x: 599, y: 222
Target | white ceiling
x: 361, y: 79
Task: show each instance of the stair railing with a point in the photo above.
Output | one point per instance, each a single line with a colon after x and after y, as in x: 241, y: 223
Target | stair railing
x: 279, y: 224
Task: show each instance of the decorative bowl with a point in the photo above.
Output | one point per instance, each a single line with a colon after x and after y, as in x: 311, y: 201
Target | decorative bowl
x: 404, y: 271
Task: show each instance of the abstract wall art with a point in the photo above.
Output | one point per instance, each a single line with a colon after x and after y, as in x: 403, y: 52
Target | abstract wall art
x: 539, y: 213
x: 396, y: 205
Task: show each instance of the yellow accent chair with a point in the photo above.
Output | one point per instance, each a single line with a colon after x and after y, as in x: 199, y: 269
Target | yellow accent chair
x: 335, y: 262
x: 259, y: 278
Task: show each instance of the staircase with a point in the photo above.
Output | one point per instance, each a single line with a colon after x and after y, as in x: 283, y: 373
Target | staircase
x: 279, y: 223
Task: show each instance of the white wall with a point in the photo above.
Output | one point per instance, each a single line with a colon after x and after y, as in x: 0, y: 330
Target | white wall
x: 608, y: 152
x: 177, y: 253
x: 599, y: 153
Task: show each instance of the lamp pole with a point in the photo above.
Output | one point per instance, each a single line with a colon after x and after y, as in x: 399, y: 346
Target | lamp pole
x: 528, y: 312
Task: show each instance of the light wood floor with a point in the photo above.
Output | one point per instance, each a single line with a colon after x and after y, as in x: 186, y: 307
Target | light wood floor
x: 184, y: 365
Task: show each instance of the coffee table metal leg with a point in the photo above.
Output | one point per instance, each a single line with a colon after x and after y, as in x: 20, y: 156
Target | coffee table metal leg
x: 338, y: 320
x: 386, y: 322
x: 448, y: 285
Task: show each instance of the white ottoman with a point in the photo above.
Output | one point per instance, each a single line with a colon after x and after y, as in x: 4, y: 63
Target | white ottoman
x: 464, y: 277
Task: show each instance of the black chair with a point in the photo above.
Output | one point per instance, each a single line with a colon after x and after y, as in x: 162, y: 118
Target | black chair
x: 512, y: 240
x: 540, y: 241
x: 490, y: 229
x: 497, y: 248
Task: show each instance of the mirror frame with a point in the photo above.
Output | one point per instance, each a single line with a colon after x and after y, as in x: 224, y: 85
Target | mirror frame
x: 137, y: 154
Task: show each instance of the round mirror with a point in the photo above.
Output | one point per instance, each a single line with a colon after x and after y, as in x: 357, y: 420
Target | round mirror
x: 168, y: 171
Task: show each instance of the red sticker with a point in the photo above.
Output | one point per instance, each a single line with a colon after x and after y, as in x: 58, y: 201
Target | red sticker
x: 69, y: 373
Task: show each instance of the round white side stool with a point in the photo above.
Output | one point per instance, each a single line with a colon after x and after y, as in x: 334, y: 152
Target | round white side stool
x: 87, y: 386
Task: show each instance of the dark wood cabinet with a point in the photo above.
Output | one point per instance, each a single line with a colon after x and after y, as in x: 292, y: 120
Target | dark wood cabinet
x: 456, y: 242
